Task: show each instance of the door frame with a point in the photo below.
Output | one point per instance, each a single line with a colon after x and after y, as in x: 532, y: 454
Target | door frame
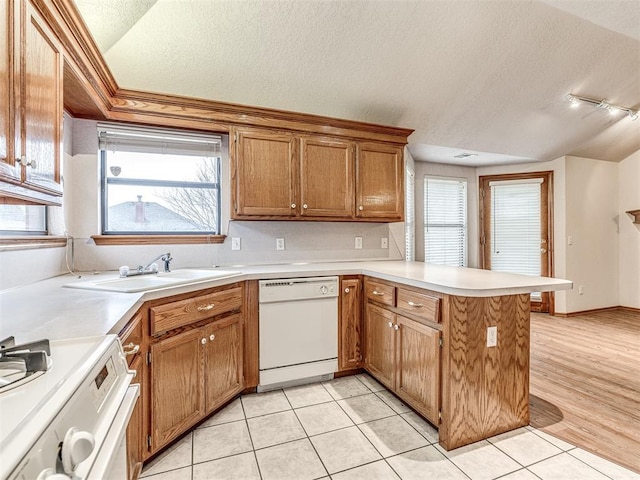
x: 546, y: 220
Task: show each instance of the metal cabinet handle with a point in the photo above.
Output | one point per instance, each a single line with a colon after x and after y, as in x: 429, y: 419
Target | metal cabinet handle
x: 203, y: 341
x: 543, y: 250
x: 304, y: 206
x: 293, y: 205
x: 396, y: 327
x: 390, y: 324
x: 27, y: 163
x: 212, y: 337
x: 131, y: 349
x: 346, y: 290
x: 360, y: 208
x: 417, y: 305
x: 204, y: 308
x: 375, y: 292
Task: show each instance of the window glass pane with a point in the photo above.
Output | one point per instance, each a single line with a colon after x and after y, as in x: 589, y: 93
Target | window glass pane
x: 159, y: 182
x: 28, y: 219
x: 445, y: 223
x: 515, y: 227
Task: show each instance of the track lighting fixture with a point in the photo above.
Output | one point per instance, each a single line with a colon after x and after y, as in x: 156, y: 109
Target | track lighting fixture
x: 603, y: 104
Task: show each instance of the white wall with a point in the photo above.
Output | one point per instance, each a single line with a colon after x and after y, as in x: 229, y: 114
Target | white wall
x: 592, y: 222
x: 629, y: 236
x: 454, y: 171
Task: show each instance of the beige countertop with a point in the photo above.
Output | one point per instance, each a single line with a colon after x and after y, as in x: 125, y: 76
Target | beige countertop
x: 46, y: 309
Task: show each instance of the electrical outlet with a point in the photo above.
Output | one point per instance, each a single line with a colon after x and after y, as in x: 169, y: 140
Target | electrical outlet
x: 358, y: 243
x: 235, y: 243
x: 570, y: 240
x: 279, y: 243
x: 581, y: 290
x: 384, y: 242
x: 492, y: 336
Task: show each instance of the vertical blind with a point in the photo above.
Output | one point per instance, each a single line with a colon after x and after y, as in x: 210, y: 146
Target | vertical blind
x: 410, y: 217
x: 445, y: 221
x: 515, y: 226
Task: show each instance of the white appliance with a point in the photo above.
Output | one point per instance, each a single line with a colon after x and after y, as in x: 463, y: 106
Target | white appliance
x: 70, y: 422
x: 298, y: 331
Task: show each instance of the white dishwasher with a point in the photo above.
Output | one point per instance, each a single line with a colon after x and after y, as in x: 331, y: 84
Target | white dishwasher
x: 298, y: 331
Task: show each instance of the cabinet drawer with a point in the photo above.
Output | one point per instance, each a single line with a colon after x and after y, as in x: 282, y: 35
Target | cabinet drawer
x: 177, y: 314
x: 419, y: 304
x: 380, y: 293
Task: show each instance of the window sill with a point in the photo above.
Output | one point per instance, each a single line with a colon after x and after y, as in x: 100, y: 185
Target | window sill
x: 30, y: 242
x: 156, y: 239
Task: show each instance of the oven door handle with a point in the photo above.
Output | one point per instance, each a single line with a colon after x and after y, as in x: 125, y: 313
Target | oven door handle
x: 106, y: 456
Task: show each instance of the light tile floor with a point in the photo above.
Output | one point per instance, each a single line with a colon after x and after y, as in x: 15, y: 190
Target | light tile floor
x: 353, y: 428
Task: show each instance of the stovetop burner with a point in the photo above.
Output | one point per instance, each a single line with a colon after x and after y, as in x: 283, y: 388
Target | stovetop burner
x: 22, y: 363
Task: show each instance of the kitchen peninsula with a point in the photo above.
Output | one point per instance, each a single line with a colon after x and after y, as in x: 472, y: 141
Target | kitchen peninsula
x: 422, y: 330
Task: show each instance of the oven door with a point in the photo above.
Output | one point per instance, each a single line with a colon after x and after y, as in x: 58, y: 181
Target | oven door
x: 111, y: 460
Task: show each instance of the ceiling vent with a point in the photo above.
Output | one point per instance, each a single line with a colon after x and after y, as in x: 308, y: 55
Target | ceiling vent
x: 465, y: 155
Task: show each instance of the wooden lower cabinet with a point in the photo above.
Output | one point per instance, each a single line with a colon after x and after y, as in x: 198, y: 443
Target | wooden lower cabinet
x: 134, y: 347
x: 350, y: 324
x: 404, y: 355
x: 192, y: 374
x: 223, y: 362
x: 177, y: 385
x: 418, y: 366
x: 380, y: 357
x: 135, y: 427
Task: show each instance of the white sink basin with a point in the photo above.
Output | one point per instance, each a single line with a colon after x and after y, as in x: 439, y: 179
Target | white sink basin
x: 142, y: 283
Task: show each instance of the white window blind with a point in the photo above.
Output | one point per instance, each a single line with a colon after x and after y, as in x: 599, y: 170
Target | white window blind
x: 410, y: 217
x: 445, y: 221
x: 515, y: 226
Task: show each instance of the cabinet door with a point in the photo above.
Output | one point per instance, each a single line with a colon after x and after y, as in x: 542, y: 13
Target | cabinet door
x: 134, y: 429
x: 177, y: 385
x: 381, y: 340
x: 41, y: 104
x: 223, y: 361
x: 350, y: 325
x: 265, y: 174
x: 326, y: 178
x: 7, y: 168
x: 418, y: 370
x: 380, y: 180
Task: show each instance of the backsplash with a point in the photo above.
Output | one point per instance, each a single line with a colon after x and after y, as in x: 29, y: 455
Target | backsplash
x: 304, y: 242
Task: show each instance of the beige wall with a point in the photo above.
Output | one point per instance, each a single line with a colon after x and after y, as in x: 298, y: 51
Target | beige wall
x: 629, y: 253
x: 592, y: 223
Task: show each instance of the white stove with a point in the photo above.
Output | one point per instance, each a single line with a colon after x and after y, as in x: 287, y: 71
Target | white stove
x: 70, y: 421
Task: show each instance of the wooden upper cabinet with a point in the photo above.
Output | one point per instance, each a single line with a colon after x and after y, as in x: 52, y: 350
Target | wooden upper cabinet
x: 31, y: 111
x: 264, y: 167
x: 379, y: 182
x: 41, y: 110
x: 7, y: 168
x: 326, y: 177
x: 298, y: 176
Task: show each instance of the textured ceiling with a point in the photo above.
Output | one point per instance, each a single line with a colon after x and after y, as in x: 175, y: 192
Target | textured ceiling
x: 489, y: 77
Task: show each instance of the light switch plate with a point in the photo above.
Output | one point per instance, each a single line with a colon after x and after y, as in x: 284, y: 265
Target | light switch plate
x: 235, y: 243
x: 492, y: 336
x: 358, y: 243
x: 279, y: 243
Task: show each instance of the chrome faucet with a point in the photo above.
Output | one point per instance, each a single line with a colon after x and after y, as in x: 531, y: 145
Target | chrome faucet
x: 150, y: 267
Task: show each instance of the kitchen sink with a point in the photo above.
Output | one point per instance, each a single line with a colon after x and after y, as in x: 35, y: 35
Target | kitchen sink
x: 142, y: 283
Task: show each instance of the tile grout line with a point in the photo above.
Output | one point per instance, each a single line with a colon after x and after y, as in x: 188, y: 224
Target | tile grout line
x: 253, y: 450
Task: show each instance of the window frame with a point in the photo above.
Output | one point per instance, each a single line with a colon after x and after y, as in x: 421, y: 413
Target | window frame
x: 464, y: 226
x: 29, y: 233
x: 132, y: 237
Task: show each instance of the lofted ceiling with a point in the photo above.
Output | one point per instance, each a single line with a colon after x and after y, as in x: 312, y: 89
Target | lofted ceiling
x: 488, y: 77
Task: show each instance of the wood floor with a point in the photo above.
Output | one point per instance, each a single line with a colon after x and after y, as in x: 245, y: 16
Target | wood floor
x: 585, y: 382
